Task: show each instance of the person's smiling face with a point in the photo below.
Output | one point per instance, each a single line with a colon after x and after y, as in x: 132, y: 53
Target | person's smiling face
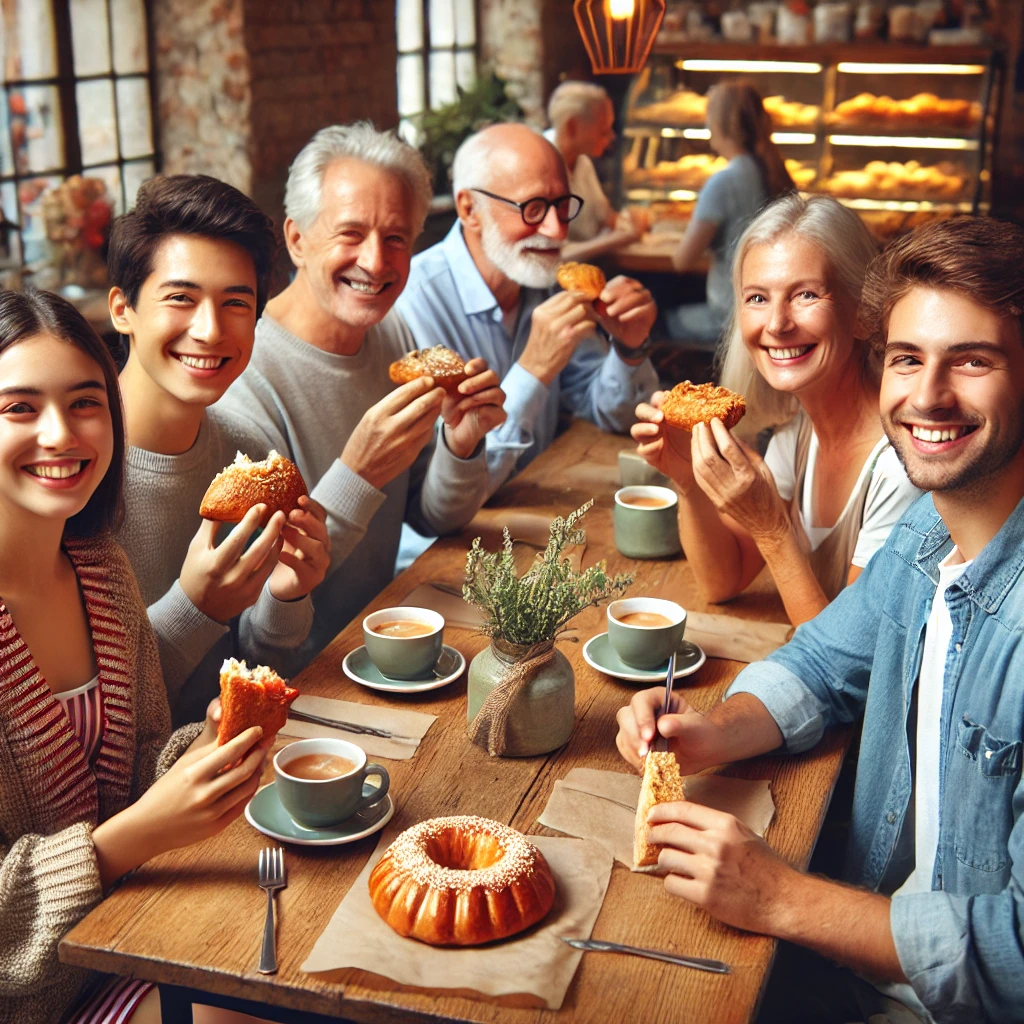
x: 194, y: 321
x: 793, y: 324
x: 56, y: 433
x: 356, y: 254
x: 952, y: 396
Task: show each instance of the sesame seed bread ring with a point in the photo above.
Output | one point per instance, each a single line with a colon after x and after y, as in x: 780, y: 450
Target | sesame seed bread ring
x: 444, y: 365
x: 276, y: 482
x: 461, y: 881
x: 688, y: 404
x: 581, y: 277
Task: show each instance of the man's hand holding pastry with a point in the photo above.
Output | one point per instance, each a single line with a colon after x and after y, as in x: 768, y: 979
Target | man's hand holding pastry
x: 392, y: 433
x: 475, y: 408
x: 305, y: 552
x: 626, y: 310
x: 223, y: 580
x: 557, y: 326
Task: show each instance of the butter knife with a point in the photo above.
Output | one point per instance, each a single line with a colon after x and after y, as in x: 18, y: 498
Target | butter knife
x: 696, y: 962
x: 353, y: 727
x: 661, y: 742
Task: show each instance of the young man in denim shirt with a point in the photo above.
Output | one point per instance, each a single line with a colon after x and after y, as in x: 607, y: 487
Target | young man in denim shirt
x: 927, y: 647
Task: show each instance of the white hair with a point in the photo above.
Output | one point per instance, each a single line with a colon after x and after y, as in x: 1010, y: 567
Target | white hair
x: 472, y: 162
x: 848, y: 246
x: 358, y: 141
x: 575, y: 99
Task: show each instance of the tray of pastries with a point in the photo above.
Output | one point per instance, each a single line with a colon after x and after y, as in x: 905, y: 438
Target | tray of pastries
x: 686, y: 107
x: 942, y: 182
x: 925, y: 110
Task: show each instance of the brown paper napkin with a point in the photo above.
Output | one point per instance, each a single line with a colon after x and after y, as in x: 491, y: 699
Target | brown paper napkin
x: 410, y: 724
x: 536, y: 963
x: 439, y: 598
x: 725, y: 636
x: 601, y: 806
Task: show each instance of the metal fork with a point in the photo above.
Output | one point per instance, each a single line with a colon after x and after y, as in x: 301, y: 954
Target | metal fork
x: 271, y: 879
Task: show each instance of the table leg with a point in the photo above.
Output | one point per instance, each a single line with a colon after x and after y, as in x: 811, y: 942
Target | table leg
x: 175, y: 1005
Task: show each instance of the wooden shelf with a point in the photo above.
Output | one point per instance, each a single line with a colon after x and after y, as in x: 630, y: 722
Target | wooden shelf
x: 878, y: 52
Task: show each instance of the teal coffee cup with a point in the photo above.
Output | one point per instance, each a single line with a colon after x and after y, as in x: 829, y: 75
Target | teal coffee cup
x: 322, y: 782
x: 644, y: 631
x: 404, y: 643
x: 646, y: 521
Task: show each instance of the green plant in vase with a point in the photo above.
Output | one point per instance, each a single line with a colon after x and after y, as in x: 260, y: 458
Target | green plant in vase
x: 522, y: 689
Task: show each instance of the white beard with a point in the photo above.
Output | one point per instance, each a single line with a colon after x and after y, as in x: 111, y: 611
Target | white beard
x: 525, y: 268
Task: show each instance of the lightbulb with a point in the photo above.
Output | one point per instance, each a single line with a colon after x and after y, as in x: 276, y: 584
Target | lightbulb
x: 619, y: 10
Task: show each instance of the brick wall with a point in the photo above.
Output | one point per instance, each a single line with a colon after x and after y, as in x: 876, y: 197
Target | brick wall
x: 314, y: 63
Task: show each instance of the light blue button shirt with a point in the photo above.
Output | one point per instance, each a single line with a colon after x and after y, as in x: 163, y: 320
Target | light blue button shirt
x: 447, y: 302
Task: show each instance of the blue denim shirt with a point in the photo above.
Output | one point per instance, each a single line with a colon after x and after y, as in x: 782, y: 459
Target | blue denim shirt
x: 447, y: 302
x: 962, y: 944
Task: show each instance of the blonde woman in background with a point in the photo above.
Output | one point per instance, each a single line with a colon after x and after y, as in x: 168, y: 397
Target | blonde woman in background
x: 755, y: 174
x: 830, y: 487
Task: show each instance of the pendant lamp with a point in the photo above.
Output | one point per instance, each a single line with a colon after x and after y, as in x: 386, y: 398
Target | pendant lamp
x: 618, y: 34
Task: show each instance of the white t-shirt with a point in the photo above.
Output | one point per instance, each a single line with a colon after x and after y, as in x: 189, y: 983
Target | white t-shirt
x: 584, y: 182
x: 938, y: 635
x: 890, y: 493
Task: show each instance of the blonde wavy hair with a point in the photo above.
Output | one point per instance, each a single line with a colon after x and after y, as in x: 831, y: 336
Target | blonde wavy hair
x: 848, y: 246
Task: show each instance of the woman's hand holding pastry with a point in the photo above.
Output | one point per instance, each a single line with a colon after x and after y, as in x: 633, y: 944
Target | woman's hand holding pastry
x: 392, y: 433
x: 223, y: 580
x: 696, y: 742
x: 661, y: 445
x: 626, y: 310
x: 474, y: 409
x: 738, y: 481
x: 305, y: 553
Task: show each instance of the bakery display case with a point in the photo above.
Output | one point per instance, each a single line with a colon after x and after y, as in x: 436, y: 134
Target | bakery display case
x: 899, y: 133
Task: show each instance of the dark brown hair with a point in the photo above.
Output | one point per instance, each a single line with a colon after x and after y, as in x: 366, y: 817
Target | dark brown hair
x: 738, y: 113
x: 32, y: 314
x: 188, y: 204
x: 979, y: 257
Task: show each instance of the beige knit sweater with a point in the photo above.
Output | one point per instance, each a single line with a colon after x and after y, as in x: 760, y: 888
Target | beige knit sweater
x: 51, y: 798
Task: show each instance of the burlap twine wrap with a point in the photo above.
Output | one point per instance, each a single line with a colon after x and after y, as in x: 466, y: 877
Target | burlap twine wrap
x: 489, y: 728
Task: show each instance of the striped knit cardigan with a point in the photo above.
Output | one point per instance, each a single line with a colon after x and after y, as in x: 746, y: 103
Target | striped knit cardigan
x: 50, y: 797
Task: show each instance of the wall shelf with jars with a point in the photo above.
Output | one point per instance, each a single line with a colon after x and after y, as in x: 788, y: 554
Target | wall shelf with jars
x: 899, y: 133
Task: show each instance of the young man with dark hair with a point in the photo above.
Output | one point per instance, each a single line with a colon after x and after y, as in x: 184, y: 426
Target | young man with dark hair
x: 190, y: 268
x: 927, y: 647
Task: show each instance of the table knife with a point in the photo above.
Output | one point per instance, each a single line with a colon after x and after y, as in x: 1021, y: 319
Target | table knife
x: 661, y: 742
x: 698, y: 963
x: 362, y: 730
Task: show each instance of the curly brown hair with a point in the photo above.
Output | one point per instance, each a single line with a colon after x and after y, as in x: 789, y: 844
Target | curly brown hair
x: 979, y: 257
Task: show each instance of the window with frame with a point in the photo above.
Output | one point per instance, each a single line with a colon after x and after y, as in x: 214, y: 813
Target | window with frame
x: 77, y: 99
x: 437, y: 51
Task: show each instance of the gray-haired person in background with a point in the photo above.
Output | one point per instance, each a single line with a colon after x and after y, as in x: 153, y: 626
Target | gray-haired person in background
x: 318, y: 385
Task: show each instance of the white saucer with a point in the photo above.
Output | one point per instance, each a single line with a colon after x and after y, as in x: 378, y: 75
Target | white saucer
x: 598, y: 653
x: 360, y: 669
x: 265, y: 813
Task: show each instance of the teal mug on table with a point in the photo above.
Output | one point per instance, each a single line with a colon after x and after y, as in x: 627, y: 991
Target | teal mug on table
x: 646, y: 521
x: 410, y: 644
x: 644, y: 631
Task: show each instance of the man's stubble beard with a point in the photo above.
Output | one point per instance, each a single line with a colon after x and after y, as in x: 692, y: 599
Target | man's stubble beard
x: 526, y: 270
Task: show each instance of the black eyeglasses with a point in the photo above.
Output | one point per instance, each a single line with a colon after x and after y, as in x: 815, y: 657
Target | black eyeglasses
x: 533, y: 211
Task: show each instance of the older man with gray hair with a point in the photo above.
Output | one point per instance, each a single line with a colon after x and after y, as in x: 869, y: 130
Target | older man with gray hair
x: 318, y: 388
x: 485, y: 290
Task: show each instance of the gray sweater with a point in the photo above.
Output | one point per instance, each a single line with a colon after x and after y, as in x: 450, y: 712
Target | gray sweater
x: 305, y: 402
x: 162, y: 497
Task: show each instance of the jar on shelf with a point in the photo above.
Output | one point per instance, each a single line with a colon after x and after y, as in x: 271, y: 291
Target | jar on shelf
x: 792, y: 29
x: 869, y: 20
x: 832, y: 23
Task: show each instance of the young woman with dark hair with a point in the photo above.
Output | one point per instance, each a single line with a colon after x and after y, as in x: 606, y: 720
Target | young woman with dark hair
x: 741, y: 132
x: 93, y: 783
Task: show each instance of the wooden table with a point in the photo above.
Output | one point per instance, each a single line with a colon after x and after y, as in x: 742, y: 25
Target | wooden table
x: 194, y: 917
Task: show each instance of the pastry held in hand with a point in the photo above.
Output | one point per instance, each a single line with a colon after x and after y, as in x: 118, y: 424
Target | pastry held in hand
x: 662, y: 784
x: 275, y: 482
x: 581, y: 277
x: 252, y: 696
x: 444, y: 365
x: 688, y: 404
x: 461, y: 881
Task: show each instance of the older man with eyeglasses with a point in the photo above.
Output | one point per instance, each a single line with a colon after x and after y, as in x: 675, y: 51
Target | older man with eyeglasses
x: 486, y: 290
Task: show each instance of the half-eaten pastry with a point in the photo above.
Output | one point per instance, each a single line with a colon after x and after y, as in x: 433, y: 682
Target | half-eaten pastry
x: 275, y: 482
x: 252, y: 696
x: 662, y: 784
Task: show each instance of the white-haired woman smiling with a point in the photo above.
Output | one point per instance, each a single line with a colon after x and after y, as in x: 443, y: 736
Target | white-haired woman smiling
x: 830, y: 487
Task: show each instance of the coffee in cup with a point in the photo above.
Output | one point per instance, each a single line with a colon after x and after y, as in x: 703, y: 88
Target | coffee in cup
x: 646, y: 524
x: 316, y: 790
x: 404, y: 643
x: 644, y: 631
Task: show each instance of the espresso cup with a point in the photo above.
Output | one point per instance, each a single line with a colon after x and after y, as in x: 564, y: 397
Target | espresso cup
x: 644, y: 646
x: 646, y: 521
x: 404, y: 657
x: 320, y: 803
